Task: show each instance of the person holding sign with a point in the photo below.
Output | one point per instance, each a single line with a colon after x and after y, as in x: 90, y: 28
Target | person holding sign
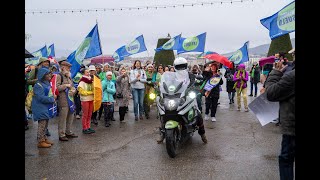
x: 212, y: 90
x: 241, y: 78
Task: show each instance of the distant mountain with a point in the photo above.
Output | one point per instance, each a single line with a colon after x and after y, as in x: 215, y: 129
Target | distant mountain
x: 260, y: 50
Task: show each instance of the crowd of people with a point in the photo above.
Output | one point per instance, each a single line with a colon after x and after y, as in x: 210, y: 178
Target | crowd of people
x: 120, y: 84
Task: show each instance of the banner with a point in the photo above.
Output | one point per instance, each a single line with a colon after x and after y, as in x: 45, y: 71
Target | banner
x: 90, y: 47
x: 241, y: 55
x: 282, y: 22
x: 266, y: 111
x: 70, y: 100
x: 134, y: 47
x: 192, y: 44
x: 37, y: 54
x: 50, y: 51
x: 52, y: 108
x: 172, y: 44
x: 213, y: 82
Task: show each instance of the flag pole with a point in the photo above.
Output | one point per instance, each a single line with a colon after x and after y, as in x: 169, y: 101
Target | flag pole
x: 100, y: 43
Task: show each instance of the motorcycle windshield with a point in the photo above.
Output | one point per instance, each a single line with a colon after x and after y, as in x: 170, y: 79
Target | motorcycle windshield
x: 174, y: 82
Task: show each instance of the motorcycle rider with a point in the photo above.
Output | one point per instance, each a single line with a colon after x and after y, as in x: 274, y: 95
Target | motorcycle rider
x: 180, y: 64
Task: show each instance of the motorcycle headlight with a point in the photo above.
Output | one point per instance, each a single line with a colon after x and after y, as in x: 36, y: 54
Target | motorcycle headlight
x: 192, y: 95
x: 152, y: 96
x: 171, y: 103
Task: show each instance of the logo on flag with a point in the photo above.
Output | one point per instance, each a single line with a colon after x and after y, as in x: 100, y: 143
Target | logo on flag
x: 241, y: 55
x: 282, y: 22
x: 192, y: 44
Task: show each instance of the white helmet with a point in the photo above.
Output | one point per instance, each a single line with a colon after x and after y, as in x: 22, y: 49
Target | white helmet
x: 180, y: 63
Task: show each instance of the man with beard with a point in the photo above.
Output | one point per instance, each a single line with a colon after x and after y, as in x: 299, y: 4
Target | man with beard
x: 65, y: 88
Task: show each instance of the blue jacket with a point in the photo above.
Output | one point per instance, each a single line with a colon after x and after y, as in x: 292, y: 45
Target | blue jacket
x: 41, y: 100
x: 108, y: 89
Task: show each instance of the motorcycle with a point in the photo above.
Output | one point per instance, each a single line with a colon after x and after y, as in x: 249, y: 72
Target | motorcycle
x: 178, y: 110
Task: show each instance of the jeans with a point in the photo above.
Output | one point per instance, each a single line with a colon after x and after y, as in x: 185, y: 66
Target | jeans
x: 287, y: 156
x: 231, y: 95
x: 255, y: 88
x: 138, y: 95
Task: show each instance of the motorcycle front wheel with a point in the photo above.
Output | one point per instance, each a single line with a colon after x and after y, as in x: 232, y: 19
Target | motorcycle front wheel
x: 171, y: 142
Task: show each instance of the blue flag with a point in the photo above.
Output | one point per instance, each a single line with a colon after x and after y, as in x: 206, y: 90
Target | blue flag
x: 241, y: 55
x: 282, y: 22
x: 134, y: 47
x: 192, y: 44
x: 90, y: 47
x: 116, y: 55
x: 37, y: 55
x: 172, y: 44
x: 51, y: 51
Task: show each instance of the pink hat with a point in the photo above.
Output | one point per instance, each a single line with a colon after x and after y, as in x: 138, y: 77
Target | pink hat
x: 242, y: 66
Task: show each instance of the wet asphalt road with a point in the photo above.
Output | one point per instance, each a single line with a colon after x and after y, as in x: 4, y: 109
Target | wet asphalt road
x: 238, y: 148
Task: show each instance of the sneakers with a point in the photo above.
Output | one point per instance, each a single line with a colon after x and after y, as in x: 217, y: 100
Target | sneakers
x: 48, y: 142
x: 239, y: 109
x: 246, y: 110
x: 141, y: 117
x: 204, y: 138
x: 86, y: 131
x: 77, y: 116
x: 91, y: 130
x: 136, y: 118
x: 160, y: 138
x: 206, y: 117
x: 250, y: 95
x: 255, y: 95
x: 213, y: 119
x: 43, y: 144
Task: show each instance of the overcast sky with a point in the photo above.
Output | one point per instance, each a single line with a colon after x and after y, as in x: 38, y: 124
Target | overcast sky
x: 228, y: 26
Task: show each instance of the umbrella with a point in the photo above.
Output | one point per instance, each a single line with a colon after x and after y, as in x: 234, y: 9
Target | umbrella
x: 220, y: 59
x: 102, y: 59
x: 206, y: 53
x: 267, y: 60
x: 27, y: 54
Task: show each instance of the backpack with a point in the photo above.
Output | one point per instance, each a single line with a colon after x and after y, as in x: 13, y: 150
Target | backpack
x: 29, y: 99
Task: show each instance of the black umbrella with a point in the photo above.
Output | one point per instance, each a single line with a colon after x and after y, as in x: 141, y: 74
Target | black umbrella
x: 27, y: 54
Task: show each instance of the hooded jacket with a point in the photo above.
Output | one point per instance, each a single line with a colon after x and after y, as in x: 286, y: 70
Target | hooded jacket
x: 109, y: 89
x: 41, y: 99
x: 238, y: 80
x: 281, y: 87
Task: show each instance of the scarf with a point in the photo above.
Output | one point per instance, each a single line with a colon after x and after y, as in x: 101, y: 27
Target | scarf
x: 86, y: 79
x: 242, y: 82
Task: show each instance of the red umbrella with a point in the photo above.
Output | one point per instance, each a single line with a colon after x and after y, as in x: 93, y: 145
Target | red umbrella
x: 219, y: 58
x: 102, y: 59
x: 267, y: 60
